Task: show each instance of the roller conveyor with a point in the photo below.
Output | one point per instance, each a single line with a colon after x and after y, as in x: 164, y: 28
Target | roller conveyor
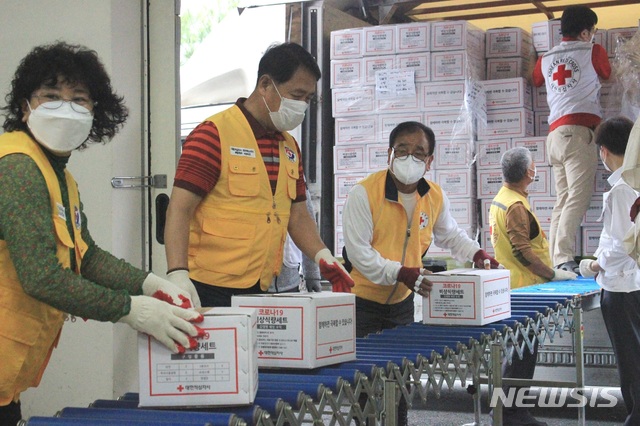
x: 404, y: 362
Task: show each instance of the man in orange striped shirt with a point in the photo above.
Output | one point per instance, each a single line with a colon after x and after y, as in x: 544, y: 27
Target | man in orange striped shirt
x: 239, y: 189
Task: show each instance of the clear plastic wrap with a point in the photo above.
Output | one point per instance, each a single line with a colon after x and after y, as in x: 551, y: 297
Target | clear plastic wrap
x: 626, y: 76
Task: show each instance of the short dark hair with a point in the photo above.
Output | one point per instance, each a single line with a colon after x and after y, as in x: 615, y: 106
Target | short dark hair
x: 413, y: 127
x: 613, y: 134
x: 281, y: 61
x: 575, y: 19
x: 50, y: 64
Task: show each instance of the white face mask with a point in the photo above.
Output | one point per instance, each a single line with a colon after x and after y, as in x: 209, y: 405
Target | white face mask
x: 408, y: 170
x: 290, y: 114
x: 604, y: 164
x: 60, y: 130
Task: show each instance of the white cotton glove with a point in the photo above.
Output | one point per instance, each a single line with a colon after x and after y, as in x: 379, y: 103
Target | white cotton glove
x: 332, y: 269
x: 182, y: 280
x: 162, y: 289
x: 585, y: 268
x: 169, y: 324
x: 562, y: 275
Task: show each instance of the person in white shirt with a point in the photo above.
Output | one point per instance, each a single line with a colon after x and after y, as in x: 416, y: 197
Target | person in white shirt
x: 615, y: 271
x: 298, y: 273
x: 389, y: 221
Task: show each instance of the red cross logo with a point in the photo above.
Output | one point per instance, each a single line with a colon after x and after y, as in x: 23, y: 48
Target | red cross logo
x: 561, y: 75
x: 180, y: 388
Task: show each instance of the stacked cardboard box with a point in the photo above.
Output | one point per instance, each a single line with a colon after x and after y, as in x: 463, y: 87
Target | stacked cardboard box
x: 384, y: 75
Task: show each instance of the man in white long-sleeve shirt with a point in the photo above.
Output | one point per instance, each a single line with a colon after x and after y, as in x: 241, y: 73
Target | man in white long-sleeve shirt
x: 617, y: 272
x: 389, y: 220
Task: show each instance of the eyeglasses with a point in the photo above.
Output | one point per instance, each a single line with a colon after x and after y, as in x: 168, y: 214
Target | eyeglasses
x: 402, y: 153
x: 81, y: 104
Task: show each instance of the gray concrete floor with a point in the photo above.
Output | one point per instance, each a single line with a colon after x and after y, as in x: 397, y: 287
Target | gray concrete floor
x: 455, y: 406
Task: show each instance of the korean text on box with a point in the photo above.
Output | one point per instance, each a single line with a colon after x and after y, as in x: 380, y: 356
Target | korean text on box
x: 222, y: 370
x: 303, y: 330
x: 468, y: 297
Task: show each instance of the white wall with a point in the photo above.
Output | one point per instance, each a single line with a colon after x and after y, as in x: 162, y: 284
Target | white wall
x: 83, y: 367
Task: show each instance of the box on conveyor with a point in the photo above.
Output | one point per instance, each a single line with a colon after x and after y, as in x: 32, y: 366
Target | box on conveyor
x: 303, y: 330
x: 468, y: 297
x: 222, y: 370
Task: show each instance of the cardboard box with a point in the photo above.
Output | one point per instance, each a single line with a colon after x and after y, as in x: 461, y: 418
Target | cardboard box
x: 457, y: 35
x: 352, y: 101
x: 618, y: 36
x: 338, y: 207
x: 404, y: 104
x: 489, y: 182
x: 449, y: 125
x: 546, y: 34
x: 541, y: 125
x: 464, y: 212
x: 346, y: 72
x: 490, y: 152
x: 468, y: 297
x: 344, y: 183
x: 349, y: 158
x: 508, y: 93
x: 498, y: 68
x: 485, y: 240
x: 303, y: 330
x: 338, y: 241
x: 388, y: 122
x: 372, y: 64
x: 537, y: 146
x: 542, y: 207
x: 355, y: 130
x: 515, y: 123
x: 222, y: 370
x: 508, y: 42
x: 590, y: 239
x: 540, y: 99
x: 485, y: 209
x: 457, y: 65
x: 346, y: 44
x: 542, y: 183
x: 445, y: 95
x: 594, y: 212
x: 379, y: 40
x: 418, y: 62
x: 460, y: 183
x: 601, y: 37
x: 377, y: 157
x: 601, y: 183
x: 413, y: 37
x: 454, y: 154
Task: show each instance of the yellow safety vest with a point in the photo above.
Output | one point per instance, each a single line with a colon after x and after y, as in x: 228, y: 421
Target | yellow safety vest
x: 238, y: 231
x: 521, y: 276
x: 30, y: 329
x: 392, y: 233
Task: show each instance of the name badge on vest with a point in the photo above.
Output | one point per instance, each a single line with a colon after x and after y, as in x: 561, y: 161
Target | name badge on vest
x: 242, y: 152
x: 77, y: 218
x: 62, y: 214
x: 424, y: 220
